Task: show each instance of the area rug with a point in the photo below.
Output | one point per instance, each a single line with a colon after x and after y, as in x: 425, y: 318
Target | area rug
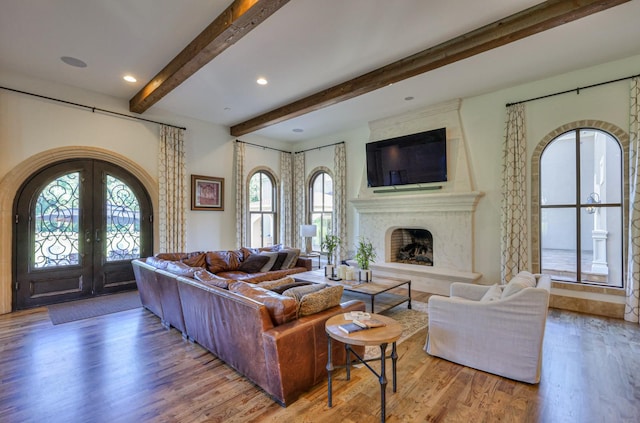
x: 412, y: 321
x: 93, y: 307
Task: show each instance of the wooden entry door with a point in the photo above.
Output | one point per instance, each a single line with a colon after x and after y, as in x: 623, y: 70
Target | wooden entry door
x: 78, y: 225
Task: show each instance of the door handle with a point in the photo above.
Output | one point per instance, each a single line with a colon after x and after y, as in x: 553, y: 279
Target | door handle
x: 97, y: 235
x: 88, y: 236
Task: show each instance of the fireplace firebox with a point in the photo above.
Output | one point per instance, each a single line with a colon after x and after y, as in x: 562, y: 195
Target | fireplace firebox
x: 412, y: 246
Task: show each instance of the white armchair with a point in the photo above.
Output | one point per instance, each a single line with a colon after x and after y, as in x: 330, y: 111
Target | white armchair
x: 501, y: 333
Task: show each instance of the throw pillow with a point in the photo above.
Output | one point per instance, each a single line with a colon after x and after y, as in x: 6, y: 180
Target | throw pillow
x: 301, y: 291
x: 254, y: 263
x: 282, y: 256
x: 209, y: 278
x: 493, y: 293
x: 514, y: 286
x: 318, y: 301
x: 292, y: 258
x: 273, y: 256
x: 280, y: 289
x: 281, y: 309
x: 276, y: 282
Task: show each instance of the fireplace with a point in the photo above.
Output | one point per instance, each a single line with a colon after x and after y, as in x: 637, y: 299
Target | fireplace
x: 411, y: 246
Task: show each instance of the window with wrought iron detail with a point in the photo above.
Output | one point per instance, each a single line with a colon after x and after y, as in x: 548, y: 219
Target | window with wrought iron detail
x: 123, y: 222
x: 321, y: 207
x: 262, y: 210
x: 581, y: 215
x: 55, y: 241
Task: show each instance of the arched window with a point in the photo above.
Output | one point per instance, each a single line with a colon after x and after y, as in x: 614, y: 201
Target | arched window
x: 262, y: 210
x: 580, y: 208
x: 321, y: 206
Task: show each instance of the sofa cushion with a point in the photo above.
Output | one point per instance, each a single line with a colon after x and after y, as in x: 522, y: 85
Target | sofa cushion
x: 272, y: 248
x: 221, y: 261
x: 196, y: 259
x: 301, y: 291
x: 318, y: 301
x: 181, y: 269
x: 287, y: 280
x: 281, y: 309
x: 171, y: 256
x: 253, y: 263
x: 211, y: 279
x: 156, y: 262
x: 493, y: 293
x: 273, y: 256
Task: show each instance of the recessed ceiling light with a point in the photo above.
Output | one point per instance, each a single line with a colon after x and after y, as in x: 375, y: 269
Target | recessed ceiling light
x: 72, y: 61
x: 409, y: 98
x: 262, y: 81
x: 298, y: 130
x: 129, y: 78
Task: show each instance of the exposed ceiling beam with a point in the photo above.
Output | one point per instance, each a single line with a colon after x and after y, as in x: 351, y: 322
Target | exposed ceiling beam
x: 533, y: 20
x: 231, y: 25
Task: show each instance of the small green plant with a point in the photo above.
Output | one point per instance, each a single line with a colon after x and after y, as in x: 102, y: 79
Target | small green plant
x: 330, y: 245
x: 365, y: 253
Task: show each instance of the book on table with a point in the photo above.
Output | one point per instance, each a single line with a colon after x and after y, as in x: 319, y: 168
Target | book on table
x: 358, y: 325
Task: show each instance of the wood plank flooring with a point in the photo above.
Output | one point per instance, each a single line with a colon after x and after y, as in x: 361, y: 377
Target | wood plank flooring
x: 125, y: 367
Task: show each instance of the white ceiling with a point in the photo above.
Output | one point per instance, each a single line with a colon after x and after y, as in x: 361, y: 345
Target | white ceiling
x: 306, y: 46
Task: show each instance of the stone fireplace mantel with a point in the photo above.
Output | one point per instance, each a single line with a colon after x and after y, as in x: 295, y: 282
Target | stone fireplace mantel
x: 427, y: 202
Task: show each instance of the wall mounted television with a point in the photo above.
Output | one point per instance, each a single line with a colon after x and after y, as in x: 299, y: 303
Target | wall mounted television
x: 409, y: 159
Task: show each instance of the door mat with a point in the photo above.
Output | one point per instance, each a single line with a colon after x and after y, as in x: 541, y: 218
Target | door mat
x: 412, y: 321
x: 93, y: 307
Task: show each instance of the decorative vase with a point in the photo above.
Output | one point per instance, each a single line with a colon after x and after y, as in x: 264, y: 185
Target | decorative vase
x: 328, y: 271
x: 365, y: 275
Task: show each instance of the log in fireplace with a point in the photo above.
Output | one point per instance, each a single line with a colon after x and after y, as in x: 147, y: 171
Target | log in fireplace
x: 412, y: 246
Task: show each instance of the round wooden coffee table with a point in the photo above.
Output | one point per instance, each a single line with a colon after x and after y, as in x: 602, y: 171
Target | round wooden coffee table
x: 381, y: 337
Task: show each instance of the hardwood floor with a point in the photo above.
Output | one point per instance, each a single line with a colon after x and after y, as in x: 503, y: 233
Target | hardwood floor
x: 125, y: 367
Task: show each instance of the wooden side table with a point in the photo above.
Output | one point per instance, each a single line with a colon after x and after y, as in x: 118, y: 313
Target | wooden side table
x: 381, y: 336
x: 312, y: 255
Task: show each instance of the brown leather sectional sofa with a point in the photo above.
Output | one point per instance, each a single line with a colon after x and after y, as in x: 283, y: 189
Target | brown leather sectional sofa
x: 284, y: 359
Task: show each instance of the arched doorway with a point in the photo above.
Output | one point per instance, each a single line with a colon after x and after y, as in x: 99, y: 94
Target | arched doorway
x: 78, y: 224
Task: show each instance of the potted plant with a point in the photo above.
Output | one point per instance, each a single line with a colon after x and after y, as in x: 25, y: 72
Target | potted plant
x: 330, y: 244
x: 365, y: 254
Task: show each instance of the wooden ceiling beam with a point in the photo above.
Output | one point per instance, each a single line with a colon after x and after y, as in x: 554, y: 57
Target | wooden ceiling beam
x: 533, y: 20
x: 230, y: 26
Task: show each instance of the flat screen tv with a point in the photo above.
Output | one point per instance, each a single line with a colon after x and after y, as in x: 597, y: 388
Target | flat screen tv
x: 410, y: 159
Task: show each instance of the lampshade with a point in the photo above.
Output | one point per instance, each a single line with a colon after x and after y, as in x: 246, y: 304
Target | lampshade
x: 308, y: 230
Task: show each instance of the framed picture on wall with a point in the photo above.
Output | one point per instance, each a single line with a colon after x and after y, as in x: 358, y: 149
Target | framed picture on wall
x: 207, y: 193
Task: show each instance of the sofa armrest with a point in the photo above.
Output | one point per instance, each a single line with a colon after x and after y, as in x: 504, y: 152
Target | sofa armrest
x: 468, y: 290
x: 305, y: 262
x: 296, y: 352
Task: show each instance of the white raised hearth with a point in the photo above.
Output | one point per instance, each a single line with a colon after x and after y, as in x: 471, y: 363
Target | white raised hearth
x: 445, y: 209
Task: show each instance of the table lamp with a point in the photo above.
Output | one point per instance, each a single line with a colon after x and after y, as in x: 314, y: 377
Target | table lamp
x: 308, y: 232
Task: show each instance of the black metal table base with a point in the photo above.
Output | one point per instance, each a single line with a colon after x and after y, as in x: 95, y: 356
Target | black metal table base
x: 382, y: 376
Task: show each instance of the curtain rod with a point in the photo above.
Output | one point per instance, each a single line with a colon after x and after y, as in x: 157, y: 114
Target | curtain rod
x: 92, y: 108
x: 318, y: 148
x: 577, y: 90
x: 263, y: 146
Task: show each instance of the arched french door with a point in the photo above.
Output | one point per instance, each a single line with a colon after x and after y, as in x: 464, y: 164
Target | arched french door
x: 78, y: 225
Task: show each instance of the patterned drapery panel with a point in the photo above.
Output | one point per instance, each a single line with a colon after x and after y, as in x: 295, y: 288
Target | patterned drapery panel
x: 340, y: 198
x: 299, y: 197
x: 286, y: 206
x: 171, y: 181
x: 241, y: 212
x: 514, y: 234
x: 632, y: 285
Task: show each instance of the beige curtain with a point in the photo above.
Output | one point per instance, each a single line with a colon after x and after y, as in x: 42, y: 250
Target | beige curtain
x: 241, y: 212
x: 340, y: 199
x: 632, y: 285
x: 286, y: 206
x: 514, y: 233
x: 172, y: 189
x: 299, y: 198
